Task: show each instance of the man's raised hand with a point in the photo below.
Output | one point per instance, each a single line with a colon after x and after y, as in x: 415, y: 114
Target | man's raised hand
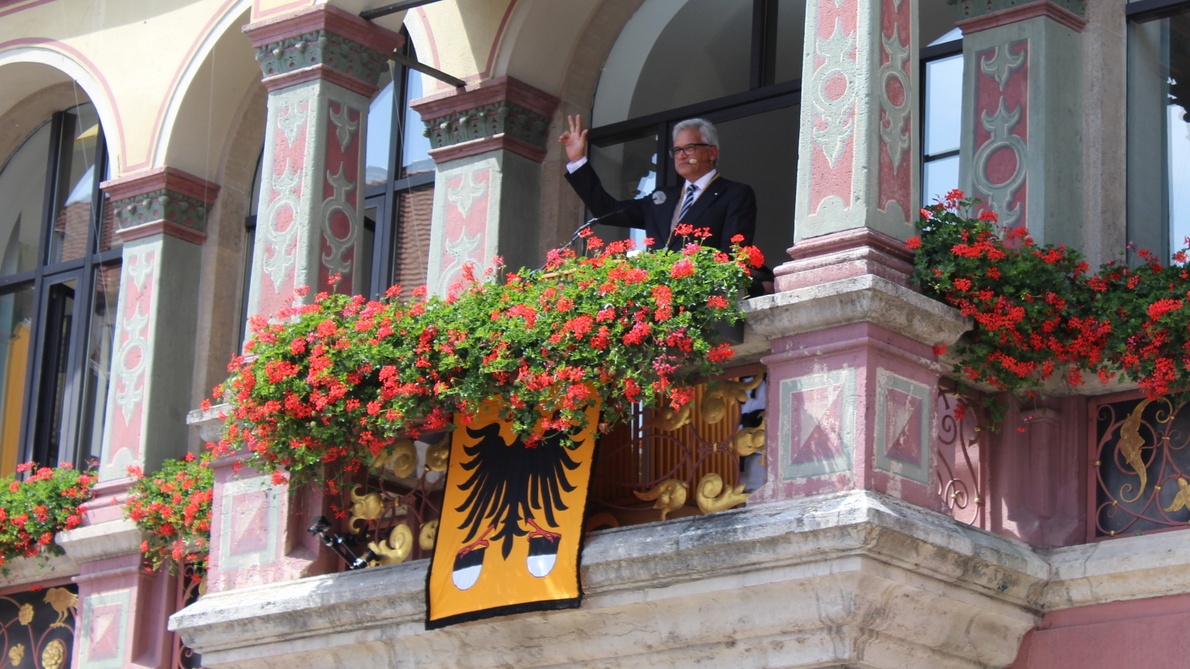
x: 575, y: 138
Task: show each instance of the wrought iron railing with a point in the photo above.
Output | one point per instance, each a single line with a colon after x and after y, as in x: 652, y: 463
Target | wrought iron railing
x: 1141, y: 466
x: 37, y: 627
x: 661, y: 464
x: 959, y: 473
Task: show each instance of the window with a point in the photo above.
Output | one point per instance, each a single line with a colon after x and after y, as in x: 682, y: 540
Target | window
x: 1159, y: 125
x: 59, y: 282
x: 744, y: 75
x: 942, y: 88
x: 400, y: 186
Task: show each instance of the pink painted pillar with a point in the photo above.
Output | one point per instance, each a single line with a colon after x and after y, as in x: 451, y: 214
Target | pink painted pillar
x: 1021, y: 153
x: 853, y: 373
x: 162, y: 217
x: 487, y: 142
x: 321, y: 66
x: 1021, y: 146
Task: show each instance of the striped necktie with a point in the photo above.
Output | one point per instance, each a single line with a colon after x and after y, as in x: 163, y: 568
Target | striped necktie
x: 686, y: 203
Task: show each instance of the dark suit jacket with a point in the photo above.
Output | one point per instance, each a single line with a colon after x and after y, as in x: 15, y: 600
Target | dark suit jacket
x: 727, y: 208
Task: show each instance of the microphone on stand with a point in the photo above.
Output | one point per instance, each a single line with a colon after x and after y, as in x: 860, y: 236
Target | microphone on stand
x: 594, y: 220
x: 590, y: 221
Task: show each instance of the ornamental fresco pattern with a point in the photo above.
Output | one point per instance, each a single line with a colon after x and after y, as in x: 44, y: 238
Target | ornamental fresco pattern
x: 131, y: 360
x: 896, y: 91
x: 817, y: 424
x: 103, y: 626
x: 340, y: 207
x: 280, y: 228
x: 468, y: 194
x: 998, y: 166
x: 902, y: 426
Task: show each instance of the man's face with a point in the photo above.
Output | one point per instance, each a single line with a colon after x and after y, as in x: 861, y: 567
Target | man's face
x: 696, y: 160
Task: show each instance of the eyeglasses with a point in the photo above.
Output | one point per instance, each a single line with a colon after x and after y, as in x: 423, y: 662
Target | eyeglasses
x: 687, y: 150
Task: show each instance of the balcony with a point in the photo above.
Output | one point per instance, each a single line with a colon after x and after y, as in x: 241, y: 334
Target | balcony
x: 856, y: 549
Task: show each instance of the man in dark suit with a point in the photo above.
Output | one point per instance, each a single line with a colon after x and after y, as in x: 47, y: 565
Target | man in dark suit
x: 704, y: 199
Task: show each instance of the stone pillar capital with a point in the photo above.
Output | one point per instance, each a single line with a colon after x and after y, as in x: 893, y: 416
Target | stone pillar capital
x: 322, y: 42
x: 501, y: 113
x: 161, y: 200
x: 977, y: 15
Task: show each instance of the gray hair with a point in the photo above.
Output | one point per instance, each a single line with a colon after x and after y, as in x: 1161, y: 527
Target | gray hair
x: 704, y: 127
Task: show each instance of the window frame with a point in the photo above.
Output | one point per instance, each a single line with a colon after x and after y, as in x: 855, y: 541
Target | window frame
x: 40, y: 422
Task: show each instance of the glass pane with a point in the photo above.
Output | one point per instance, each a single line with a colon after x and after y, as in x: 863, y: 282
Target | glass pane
x: 767, y: 161
x: 367, y: 251
x: 249, y: 253
x: 22, y: 203
x: 944, y: 87
x: 15, y: 328
x: 675, y: 53
x: 1158, y: 100
x: 76, y: 184
x: 942, y: 175
x: 411, y: 260
x: 791, y: 28
x: 628, y: 170
x: 380, y: 136
x: 100, y: 340
x: 52, y: 412
x: 1179, y: 176
x: 416, y: 148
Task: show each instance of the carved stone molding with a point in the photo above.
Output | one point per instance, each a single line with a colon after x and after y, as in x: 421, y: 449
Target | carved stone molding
x: 977, y: 15
x: 854, y: 579
x: 322, y: 42
x: 161, y: 200
x: 501, y: 113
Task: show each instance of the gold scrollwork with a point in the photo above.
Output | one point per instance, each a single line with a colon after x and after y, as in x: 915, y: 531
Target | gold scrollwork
x: 364, y: 507
x: 15, y: 654
x: 1130, y: 446
x: 438, y: 455
x: 749, y: 439
x: 712, y: 495
x: 715, y: 400
x: 428, y: 535
x: 1182, y: 499
x: 400, y: 459
x: 668, y: 496
x: 396, y: 549
x: 669, y: 420
x: 25, y: 614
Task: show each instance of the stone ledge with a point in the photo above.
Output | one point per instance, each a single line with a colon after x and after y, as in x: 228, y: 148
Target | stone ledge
x: 846, y: 578
x: 1119, y: 569
x: 90, y: 543
x: 865, y: 298
x: 24, y: 571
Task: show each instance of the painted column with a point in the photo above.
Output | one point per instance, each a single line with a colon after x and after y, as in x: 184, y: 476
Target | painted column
x: 321, y: 66
x: 853, y: 372
x: 1021, y: 147
x: 162, y: 215
x: 488, y: 142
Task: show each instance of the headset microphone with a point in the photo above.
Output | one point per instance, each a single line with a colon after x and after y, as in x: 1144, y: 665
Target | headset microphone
x: 693, y: 161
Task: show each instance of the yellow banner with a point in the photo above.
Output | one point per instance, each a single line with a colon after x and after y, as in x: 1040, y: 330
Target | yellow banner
x: 512, y: 523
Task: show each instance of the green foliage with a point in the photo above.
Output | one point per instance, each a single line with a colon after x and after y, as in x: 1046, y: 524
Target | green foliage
x: 173, y: 505
x: 338, y: 381
x: 34, y: 510
x: 1037, y: 311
